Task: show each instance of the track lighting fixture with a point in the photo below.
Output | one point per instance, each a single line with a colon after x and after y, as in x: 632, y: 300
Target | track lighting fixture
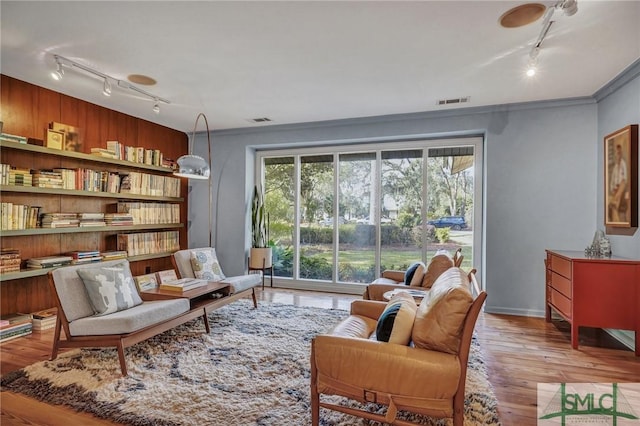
x: 106, y: 88
x: 569, y: 8
x: 62, y: 62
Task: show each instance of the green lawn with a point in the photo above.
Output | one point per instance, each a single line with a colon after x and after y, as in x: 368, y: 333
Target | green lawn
x: 391, y: 258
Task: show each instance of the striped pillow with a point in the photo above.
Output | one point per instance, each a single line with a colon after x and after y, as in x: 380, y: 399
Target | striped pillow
x: 395, y: 324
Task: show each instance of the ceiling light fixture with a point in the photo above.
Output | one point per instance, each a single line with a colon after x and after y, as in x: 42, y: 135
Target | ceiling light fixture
x: 569, y: 8
x: 156, y: 107
x: 106, y: 87
x: 61, y: 62
x: 195, y: 167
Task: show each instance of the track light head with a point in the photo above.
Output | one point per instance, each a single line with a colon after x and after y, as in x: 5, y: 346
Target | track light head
x: 156, y: 108
x: 569, y: 7
x: 106, y: 88
x: 59, y: 72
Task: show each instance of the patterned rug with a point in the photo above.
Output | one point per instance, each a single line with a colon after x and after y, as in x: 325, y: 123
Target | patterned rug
x: 253, y: 369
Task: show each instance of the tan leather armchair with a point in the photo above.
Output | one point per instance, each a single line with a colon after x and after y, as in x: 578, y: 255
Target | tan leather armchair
x: 394, y: 279
x: 422, y: 378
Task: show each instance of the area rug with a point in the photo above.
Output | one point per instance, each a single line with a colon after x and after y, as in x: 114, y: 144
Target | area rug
x: 252, y: 369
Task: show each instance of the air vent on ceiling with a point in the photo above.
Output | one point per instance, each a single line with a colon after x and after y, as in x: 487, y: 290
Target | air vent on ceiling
x: 260, y: 120
x: 453, y: 101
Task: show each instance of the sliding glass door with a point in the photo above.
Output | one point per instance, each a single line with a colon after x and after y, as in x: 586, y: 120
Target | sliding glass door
x: 342, y: 215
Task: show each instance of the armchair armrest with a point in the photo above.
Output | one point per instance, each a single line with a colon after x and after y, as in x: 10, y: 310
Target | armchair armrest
x: 393, y: 275
x: 376, y: 291
x: 379, y: 366
x: 368, y: 308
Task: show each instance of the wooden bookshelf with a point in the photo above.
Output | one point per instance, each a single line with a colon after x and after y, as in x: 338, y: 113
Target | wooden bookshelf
x: 26, y: 110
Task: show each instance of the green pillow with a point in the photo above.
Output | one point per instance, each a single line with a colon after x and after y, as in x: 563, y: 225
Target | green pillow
x: 110, y: 288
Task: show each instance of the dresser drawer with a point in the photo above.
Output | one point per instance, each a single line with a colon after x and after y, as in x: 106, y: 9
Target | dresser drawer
x: 560, y: 266
x: 560, y: 283
x: 561, y: 303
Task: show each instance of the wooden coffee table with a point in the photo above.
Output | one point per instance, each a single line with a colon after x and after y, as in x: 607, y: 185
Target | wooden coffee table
x: 203, y: 298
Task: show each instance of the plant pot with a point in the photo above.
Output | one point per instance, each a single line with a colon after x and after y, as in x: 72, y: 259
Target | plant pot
x: 257, y: 255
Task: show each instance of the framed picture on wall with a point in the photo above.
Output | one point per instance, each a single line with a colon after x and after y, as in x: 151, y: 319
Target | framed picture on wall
x: 621, y: 178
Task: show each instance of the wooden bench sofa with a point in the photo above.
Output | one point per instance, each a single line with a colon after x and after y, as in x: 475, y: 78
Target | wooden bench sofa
x: 83, y: 327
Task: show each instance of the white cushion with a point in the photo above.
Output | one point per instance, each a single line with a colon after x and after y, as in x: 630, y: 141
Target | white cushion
x: 242, y: 282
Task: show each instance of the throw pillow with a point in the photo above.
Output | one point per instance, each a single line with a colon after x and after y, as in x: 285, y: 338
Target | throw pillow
x: 439, y: 263
x: 110, y: 287
x: 396, y: 321
x: 442, y: 312
x: 205, y: 265
x: 414, y: 274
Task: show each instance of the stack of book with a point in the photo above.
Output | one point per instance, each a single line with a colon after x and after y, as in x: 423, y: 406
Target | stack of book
x: 113, y: 255
x: 59, y: 220
x: 15, y: 325
x: 117, y: 148
x: 149, y: 242
x: 9, y: 260
x: 6, y: 137
x: 43, y: 320
x: 104, y: 153
x: 69, y: 177
x: 80, y: 257
x: 20, y: 177
x: 183, y: 284
x: 47, y: 179
x: 48, y: 261
x: 91, y: 219
x: 118, y: 219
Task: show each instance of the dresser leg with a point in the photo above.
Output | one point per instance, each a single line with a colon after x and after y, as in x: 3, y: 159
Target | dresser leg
x: 574, y: 335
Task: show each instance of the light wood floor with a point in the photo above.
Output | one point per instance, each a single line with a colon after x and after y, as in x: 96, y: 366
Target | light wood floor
x: 520, y: 352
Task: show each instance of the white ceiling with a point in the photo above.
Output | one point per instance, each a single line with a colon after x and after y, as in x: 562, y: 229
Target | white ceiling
x: 310, y: 61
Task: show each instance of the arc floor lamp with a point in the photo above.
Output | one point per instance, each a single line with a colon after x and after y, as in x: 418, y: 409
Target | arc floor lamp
x: 195, y: 167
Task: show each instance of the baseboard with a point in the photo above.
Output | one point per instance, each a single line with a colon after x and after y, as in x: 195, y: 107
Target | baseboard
x: 514, y: 311
x: 624, y: 337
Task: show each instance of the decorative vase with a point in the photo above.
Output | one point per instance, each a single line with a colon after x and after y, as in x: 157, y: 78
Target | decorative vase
x: 605, y: 247
x: 260, y: 258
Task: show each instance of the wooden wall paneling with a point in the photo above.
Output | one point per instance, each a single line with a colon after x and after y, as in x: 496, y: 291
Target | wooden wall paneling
x: 122, y: 128
x: 73, y: 112
x: 27, y: 110
x: 45, y: 111
x: 23, y: 296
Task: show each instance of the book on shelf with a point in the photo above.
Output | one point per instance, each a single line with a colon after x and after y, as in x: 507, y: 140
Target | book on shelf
x: 10, y: 260
x: 49, y: 261
x: 10, y: 320
x: 15, y: 332
x: 146, y: 282
x: 113, y: 255
x: 166, y: 276
x: 45, y: 319
x: 6, y: 137
x: 183, y: 284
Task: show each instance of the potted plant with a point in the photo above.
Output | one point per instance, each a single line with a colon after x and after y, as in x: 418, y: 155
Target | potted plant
x: 260, y: 255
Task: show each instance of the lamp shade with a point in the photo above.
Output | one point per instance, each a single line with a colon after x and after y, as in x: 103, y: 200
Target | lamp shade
x: 192, y: 167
